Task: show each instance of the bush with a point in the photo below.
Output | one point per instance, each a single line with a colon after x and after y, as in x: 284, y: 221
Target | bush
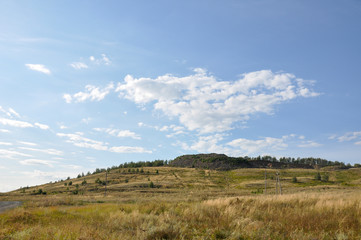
x: 294, y: 179
x: 318, y: 176
x: 325, y: 178
x: 151, y: 185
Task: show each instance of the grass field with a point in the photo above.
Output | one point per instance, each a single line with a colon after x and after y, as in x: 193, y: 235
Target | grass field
x: 190, y: 204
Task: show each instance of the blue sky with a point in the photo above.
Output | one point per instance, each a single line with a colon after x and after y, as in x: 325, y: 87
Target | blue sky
x: 91, y: 84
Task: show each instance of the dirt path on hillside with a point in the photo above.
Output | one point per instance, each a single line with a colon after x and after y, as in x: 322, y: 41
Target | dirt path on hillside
x: 6, y: 205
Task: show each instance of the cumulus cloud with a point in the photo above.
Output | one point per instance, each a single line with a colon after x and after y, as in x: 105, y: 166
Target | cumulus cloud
x: 79, y: 65
x: 205, y: 104
x: 91, y: 93
x: 38, y: 67
x: 174, y: 129
x: 119, y: 133
x: 218, y: 143
x: 253, y: 146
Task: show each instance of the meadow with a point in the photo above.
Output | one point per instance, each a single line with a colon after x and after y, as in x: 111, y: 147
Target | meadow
x: 188, y: 203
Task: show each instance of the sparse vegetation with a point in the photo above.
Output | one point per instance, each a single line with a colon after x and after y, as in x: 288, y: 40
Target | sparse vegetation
x: 166, y: 202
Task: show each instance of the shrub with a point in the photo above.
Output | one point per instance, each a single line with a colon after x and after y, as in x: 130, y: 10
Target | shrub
x: 318, y: 176
x: 151, y: 185
x: 294, y: 179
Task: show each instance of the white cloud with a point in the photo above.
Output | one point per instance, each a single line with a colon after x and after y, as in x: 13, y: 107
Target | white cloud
x: 6, y: 143
x: 39, y: 68
x: 37, y: 162
x: 208, y: 144
x: 349, y: 136
x: 119, y: 133
x: 14, y: 113
x: 27, y: 143
x: 309, y: 144
x: 10, y: 154
x: 103, y: 60
x: 86, y: 120
x: 127, y: 149
x: 79, y: 65
x: 174, y: 129
x: 78, y: 140
x: 256, y: 146
x: 10, y: 113
x: 68, y: 98
x: 204, y: 104
x: 4, y: 131
x: 42, y: 126
x: 15, y: 123
x: 47, y: 151
x: 92, y: 93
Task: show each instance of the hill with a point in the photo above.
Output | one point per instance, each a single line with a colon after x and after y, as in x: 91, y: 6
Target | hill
x: 223, y: 162
x: 166, y: 202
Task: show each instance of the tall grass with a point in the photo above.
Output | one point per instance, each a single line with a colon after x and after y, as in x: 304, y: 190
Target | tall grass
x: 317, y: 215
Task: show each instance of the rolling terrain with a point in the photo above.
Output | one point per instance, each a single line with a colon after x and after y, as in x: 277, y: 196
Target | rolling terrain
x: 167, y: 202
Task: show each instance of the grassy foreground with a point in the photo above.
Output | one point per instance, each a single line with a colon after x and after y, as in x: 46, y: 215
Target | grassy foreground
x: 231, y: 208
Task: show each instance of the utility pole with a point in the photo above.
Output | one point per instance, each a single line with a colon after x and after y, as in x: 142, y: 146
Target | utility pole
x: 278, y: 184
x: 265, y: 181
x: 106, y: 180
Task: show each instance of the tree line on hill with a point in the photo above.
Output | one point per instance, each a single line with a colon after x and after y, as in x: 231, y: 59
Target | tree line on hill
x: 223, y: 162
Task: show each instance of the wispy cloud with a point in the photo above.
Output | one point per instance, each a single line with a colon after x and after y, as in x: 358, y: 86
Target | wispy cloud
x: 42, y: 126
x: 78, y: 140
x: 27, y: 143
x: 104, y: 60
x: 6, y: 143
x: 37, y: 162
x: 79, y: 65
x: 309, y: 144
x: 10, y: 113
x: 10, y: 154
x: 91, y: 93
x: 347, y: 137
x: 47, y: 151
x: 119, y: 133
x: 38, y: 67
x: 127, y: 149
x: 15, y: 123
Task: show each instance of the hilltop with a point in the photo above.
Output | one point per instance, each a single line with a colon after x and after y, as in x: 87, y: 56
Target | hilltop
x: 216, y: 161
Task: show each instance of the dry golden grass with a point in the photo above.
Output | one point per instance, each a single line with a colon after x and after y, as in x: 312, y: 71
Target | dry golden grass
x: 313, y: 215
x: 193, y: 204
